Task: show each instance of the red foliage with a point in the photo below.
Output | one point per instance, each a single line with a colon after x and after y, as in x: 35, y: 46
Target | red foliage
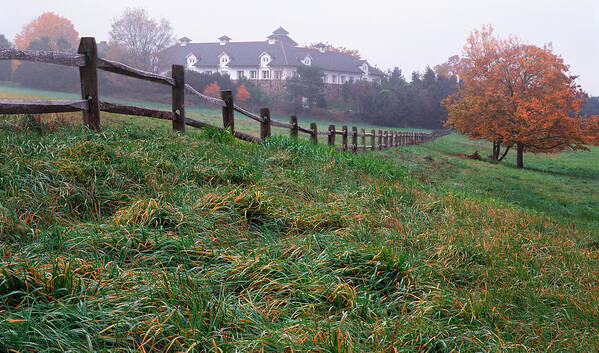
x: 242, y: 94
x: 212, y: 90
x: 516, y: 93
x: 49, y: 25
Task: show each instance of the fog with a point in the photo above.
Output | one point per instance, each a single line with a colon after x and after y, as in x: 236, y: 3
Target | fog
x: 410, y: 35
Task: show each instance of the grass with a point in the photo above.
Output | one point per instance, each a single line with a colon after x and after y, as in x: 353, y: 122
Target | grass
x: 211, y: 115
x: 138, y: 239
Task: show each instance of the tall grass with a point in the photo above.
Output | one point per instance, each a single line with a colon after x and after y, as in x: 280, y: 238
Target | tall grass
x: 138, y: 239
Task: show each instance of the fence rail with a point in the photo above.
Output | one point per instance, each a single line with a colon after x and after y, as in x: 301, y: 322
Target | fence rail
x: 88, y: 63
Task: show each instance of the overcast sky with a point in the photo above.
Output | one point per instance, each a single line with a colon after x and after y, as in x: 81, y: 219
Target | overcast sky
x: 388, y: 33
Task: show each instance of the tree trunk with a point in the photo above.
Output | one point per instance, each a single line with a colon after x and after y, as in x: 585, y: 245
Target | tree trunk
x: 507, y: 149
x: 496, y: 149
x: 519, y: 157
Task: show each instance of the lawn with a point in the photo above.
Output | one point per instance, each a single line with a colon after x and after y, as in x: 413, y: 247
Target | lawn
x: 139, y: 239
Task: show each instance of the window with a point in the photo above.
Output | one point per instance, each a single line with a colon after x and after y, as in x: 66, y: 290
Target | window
x: 240, y: 74
x: 265, y: 75
x: 191, y: 60
x: 343, y: 80
x: 325, y: 78
x: 223, y: 60
x: 265, y: 59
x: 253, y: 75
x: 278, y: 75
x: 334, y: 78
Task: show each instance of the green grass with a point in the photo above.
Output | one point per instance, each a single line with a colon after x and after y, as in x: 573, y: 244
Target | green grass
x: 138, y: 239
x: 211, y: 115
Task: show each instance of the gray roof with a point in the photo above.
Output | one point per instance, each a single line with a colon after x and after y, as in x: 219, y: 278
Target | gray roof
x: 248, y: 54
x: 280, y: 31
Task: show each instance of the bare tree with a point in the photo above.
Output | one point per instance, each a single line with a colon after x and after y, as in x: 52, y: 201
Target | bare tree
x: 141, y: 37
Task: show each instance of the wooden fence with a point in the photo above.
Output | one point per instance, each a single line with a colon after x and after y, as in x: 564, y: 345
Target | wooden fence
x: 88, y: 62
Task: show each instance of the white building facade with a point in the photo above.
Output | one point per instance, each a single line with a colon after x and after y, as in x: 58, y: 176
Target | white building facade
x: 274, y: 59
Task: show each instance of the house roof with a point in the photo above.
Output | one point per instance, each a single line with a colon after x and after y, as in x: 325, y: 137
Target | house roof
x: 224, y: 38
x: 282, y: 53
x: 184, y: 39
x: 280, y: 31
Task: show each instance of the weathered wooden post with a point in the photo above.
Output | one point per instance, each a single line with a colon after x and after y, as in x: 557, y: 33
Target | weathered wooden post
x: 380, y: 144
x: 178, y: 101
x: 373, y: 140
x: 314, y: 134
x: 385, y: 139
x: 228, y: 112
x: 294, y: 127
x: 265, y: 124
x: 363, y: 140
x: 344, y: 138
x: 88, y: 75
x: 331, y: 137
x: 354, y: 139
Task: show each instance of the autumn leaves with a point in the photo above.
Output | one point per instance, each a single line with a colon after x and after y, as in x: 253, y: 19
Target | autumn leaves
x: 517, y: 94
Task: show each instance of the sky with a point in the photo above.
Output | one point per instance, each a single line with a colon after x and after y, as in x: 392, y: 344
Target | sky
x: 388, y: 33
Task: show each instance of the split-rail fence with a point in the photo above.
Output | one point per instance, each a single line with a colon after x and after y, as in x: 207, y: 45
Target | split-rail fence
x: 90, y: 105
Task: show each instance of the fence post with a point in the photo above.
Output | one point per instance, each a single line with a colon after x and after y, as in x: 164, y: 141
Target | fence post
x: 373, y: 140
x: 294, y: 129
x: 88, y: 76
x: 228, y: 112
x: 363, y: 140
x: 265, y: 124
x: 332, y: 133
x: 314, y: 134
x: 354, y: 139
x: 344, y: 138
x: 380, y: 140
x: 178, y: 98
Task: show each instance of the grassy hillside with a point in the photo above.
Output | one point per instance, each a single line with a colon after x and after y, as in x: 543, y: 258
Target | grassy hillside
x: 137, y: 239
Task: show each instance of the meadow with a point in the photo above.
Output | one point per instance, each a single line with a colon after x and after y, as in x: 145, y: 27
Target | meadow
x: 139, y: 239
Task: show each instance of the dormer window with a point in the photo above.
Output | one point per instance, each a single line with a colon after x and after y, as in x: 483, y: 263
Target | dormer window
x: 265, y: 59
x: 223, y: 59
x: 191, y: 60
x: 184, y: 41
x: 224, y: 40
x: 307, y: 61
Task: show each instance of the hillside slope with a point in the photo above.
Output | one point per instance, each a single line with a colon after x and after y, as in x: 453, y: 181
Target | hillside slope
x: 137, y: 239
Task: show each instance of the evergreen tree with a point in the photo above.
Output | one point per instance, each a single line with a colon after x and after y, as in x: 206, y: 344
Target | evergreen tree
x: 5, y: 67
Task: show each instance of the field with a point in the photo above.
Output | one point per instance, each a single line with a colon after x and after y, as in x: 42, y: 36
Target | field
x: 138, y: 239
x: 211, y: 115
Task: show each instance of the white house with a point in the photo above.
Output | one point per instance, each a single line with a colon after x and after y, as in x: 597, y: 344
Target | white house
x: 276, y: 58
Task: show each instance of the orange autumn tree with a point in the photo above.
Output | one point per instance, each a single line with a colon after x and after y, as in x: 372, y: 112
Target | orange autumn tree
x: 592, y: 130
x: 212, y: 90
x: 515, y: 94
x: 59, y: 30
x: 242, y: 94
